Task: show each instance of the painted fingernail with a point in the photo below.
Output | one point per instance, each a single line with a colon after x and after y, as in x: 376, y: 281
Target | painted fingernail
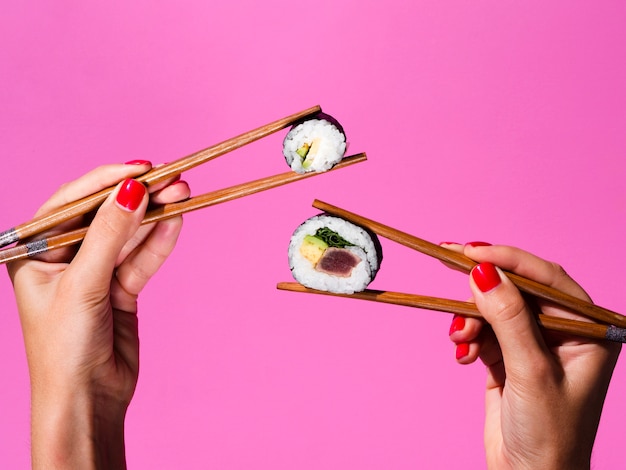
x: 478, y: 244
x: 462, y: 350
x: 486, y: 276
x: 138, y: 162
x: 130, y: 194
x: 449, y: 243
x: 458, y: 323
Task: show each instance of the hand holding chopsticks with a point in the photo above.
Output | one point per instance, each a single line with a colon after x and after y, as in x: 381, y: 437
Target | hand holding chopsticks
x: 78, y: 315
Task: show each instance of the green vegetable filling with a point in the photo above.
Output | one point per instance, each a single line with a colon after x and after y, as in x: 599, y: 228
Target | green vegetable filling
x: 332, y: 238
x: 304, y: 150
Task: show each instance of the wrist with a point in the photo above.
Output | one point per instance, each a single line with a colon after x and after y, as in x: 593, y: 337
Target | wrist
x: 76, y: 429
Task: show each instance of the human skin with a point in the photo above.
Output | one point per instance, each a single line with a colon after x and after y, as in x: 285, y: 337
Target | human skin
x: 545, y: 390
x: 78, y: 310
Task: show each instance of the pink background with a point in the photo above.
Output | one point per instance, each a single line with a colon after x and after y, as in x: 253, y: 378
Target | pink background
x: 482, y: 120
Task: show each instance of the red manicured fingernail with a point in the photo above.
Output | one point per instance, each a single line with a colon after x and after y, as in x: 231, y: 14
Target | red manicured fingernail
x: 486, y: 276
x: 130, y: 194
x: 462, y: 350
x: 138, y: 162
x: 458, y: 323
x: 478, y: 244
x: 449, y: 243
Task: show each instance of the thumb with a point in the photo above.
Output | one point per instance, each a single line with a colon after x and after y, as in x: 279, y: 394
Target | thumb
x: 115, y: 223
x: 512, y: 321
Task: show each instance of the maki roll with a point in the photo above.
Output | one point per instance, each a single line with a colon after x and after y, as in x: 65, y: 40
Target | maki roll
x: 315, y: 144
x: 331, y: 254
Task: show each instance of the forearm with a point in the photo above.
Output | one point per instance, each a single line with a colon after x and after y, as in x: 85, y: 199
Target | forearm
x: 76, y: 430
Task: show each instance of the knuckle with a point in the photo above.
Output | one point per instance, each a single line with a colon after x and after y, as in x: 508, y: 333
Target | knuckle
x: 108, y: 225
x: 558, y: 270
x: 62, y: 193
x: 152, y: 260
x: 140, y: 273
x: 510, y: 310
x: 157, y: 258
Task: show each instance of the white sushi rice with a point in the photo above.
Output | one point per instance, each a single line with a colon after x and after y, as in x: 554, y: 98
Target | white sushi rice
x: 305, y: 273
x: 328, y: 151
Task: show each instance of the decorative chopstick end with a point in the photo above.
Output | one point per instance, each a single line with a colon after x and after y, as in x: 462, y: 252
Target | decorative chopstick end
x: 37, y: 246
x: 614, y: 333
x: 8, y: 237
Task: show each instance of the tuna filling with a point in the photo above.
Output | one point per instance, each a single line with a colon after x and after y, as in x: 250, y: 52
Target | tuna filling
x: 338, y: 262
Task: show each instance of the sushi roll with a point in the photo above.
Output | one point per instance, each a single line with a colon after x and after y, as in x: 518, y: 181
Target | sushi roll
x: 315, y: 145
x: 331, y: 254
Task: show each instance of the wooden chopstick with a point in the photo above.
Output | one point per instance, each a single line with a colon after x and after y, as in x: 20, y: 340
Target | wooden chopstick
x: 466, y: 264
x: 468, y: 309
x: 155, y: 175
x: 167, y: 211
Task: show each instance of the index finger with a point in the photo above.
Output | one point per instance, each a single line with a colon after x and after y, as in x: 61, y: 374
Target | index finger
x: 527, y: 265
x: 95, y: 180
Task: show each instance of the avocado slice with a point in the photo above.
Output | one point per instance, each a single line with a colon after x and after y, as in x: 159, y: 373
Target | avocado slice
x: 311, y: 153
x: 302, y: 151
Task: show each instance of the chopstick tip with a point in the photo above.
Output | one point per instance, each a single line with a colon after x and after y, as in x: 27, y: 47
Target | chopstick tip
x: 283, y: 285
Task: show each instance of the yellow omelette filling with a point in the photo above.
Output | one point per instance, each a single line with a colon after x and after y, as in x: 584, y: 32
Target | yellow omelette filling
x: 313, y: 248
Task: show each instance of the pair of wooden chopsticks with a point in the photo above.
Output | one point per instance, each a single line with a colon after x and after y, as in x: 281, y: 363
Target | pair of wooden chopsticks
x: 612, y: 326
x: 155, y: 175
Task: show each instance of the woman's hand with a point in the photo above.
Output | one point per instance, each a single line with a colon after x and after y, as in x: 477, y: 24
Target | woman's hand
x: 78, y: 311
x: 545, y: 390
